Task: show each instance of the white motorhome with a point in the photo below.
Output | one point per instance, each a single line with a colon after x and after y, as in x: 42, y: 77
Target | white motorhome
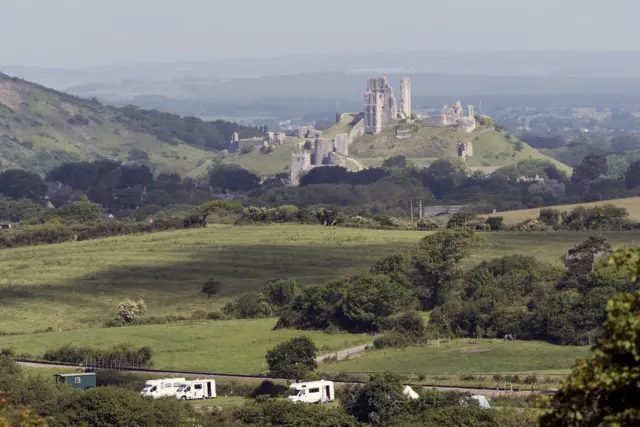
x: 196, y: 389
x: 161, y: 388
x: 312, y: 392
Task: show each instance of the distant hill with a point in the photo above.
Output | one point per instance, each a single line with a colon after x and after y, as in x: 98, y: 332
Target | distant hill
x: 41, y: 128
x: 490, y: 147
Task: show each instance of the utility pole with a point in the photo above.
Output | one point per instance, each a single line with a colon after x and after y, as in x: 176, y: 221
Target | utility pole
x: 420, y: 210
x: 411, y: 210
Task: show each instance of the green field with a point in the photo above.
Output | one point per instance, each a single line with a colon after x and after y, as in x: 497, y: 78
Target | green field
x: 79, y: 284
x: 230, y: 346
x: 632, y: 204
x: 464, y: 356
x: 83, y: 282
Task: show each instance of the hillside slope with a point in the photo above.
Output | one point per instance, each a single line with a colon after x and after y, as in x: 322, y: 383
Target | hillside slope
x: 631, y: 204
x: 41, y: 128
x: 490, y: 147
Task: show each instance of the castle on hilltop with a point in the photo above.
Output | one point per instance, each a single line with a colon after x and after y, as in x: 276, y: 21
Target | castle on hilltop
x: 380, y: 107
x: 380, y: 111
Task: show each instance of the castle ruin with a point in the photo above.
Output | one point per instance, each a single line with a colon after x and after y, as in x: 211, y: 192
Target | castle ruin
x: 380, y: 108
x: 270, y: 138
x: 405, y: 98
x: 456, y: 116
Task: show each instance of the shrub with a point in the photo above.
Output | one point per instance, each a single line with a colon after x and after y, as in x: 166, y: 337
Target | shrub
x: 462, y: 219
x: 360, y: 222
x: 496, y: 223
x: 428, y: 224
x: 392, y: 340
x: 123, y: 355
x: 129, y: 311
x: 533, y: 225
x: 293, y: 359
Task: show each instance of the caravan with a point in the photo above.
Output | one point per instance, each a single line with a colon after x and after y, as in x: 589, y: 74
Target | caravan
x: 197, y: 389
x: 161, y: 388
x: 312, y: 392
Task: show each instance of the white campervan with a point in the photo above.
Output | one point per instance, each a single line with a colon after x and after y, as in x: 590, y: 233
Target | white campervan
x: 312, y: 392
x: 196, y: 389
x: 161, y: 388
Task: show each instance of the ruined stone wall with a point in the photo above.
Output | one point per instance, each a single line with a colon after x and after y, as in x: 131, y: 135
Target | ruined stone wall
x: 341, y: 144
x: 405, y: 98
x: 336, y: 160
x: 321, y: 154
x: 465, y: 149
x: 356, y: 131
x: 403, y: 133
x: 467, y: 124
x: 300, y: 163
x: 373, y: 106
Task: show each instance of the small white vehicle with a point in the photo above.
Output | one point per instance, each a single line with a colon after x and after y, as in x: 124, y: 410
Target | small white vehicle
x: 312, y: 392
x: 162, y: 388
x: 197, y: 389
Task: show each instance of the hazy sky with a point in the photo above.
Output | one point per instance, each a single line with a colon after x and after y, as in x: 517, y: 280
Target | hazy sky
x: 75, y: 33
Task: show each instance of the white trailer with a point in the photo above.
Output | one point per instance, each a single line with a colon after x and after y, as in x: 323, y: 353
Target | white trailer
x: 196, y: 389
x: 162, y: 388
x: 312, y: 392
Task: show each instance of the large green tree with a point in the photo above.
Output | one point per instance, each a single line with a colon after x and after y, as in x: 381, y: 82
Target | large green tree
x: 437, y: 262
x: 603, y: 390
x: 18, y: 184
x: 293, y: 359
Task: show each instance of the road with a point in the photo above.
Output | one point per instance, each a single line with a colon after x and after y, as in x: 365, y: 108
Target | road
x: 472, y: 390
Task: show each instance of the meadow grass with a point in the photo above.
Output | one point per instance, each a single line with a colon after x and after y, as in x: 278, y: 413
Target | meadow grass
x: 230, y: 346
x: 465, y: 356
x: 79, y: 284
x: 632, y: 204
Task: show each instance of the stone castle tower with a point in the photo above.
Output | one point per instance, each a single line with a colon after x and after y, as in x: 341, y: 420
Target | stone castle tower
x: 380, y: 108
x: 405, y: 98
x: 300, y: 162
x: 373, y: 106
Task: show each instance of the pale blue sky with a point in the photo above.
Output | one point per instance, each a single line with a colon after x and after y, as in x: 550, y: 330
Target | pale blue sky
x: 76, y: 33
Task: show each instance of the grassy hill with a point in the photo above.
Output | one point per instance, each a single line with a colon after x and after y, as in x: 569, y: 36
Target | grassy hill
x: 83, y: 282
x: 490, y: 147
x: 41, y: 128
x: 631, y: 204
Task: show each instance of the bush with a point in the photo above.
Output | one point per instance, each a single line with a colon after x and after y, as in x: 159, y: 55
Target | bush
x: 429, y: 224
x: 130, y: 311
x: 293, y: 359
x: 392, y: 340
x: 360, y: 222
x: 496, y: 223
x: 533, y: 225
x: 45, y: 234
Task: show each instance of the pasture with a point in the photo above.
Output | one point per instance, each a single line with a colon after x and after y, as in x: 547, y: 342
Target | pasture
x: 79, y: 284
x: 465, y: 356
x: 229, y: 346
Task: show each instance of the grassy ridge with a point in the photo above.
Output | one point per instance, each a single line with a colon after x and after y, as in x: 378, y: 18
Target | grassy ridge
x: 632, y: 204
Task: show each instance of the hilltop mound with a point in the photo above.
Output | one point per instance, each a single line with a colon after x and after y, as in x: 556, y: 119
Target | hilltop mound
x: 41, y: 128
x: 490, y: 147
